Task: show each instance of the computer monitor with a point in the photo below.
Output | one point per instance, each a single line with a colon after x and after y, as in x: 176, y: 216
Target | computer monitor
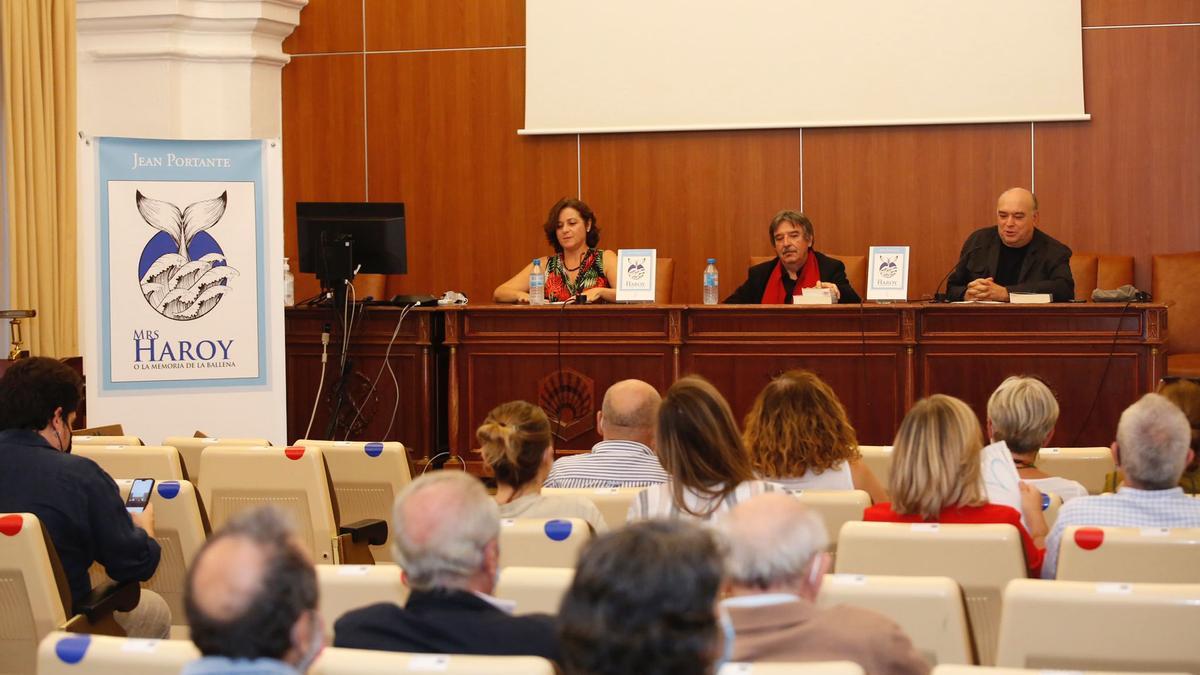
x: 338, y: 239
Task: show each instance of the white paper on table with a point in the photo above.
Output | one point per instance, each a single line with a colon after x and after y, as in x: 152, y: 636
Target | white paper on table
x: 1000, y: 477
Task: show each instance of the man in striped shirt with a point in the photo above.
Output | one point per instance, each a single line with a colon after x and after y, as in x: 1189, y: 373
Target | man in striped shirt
x: 625, y: 457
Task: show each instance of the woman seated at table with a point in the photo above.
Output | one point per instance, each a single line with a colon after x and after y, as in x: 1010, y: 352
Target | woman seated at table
x: 701, y: 450
x: 799, y: 438
x: 516, y: 445
x: 577, y: 268
x: 937, y: 477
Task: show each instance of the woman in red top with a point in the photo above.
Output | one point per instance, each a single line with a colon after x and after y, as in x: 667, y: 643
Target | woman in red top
x: 577, y: 268
x: 936, y: 477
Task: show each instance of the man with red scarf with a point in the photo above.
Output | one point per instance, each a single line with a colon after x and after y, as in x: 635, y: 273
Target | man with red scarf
x: 797, y: 266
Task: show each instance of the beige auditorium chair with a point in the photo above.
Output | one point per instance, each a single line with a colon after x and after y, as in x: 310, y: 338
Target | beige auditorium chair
x: 294, y: 479
x: 612, y: 502
x: 346, y: 587
x: 73, y: 654
x: 105, y: 440
x: 793, y: 668
x: 1130, y: 554
x: 542, y: 542
x: 953, y: 669
x: 931, y: 610
x: 1089, y: 467
x: 835, y: 507
x: 366, y: 478
x: 35, y: 599
x: 536, y: 590
x: 336, y: 661
x: 160, y: 462
x: 878, y: 458
x: 1079, y: 625
x: 981, y: 558
x: 190, y: 449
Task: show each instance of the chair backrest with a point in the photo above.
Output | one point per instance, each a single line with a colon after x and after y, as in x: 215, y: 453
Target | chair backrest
x: 1130, y: 554
x: 792, y: 668
x: 878, y: 459
x: 73, y: 653
x: 294, y: 479
x: 160, y: 462
x: 956, y: 669
x: 346, y: 587
x: 1079, y: 625
x: 1089, y: 467
x: 931, y: 610
x: 336, y: 661
x: 535, y: 589
x: 1083, y: 271
x: 612, y: 502
x: 366, y: 478
x: 542, y: 542
x: 105, y: 440
x: 981, y: 558
x: 664, y: 280
x: 190, y: 449
x: 856, y: 268
x: 1097, y: 270
x: 1173, y: 281
x: 836, y: 507
x: 32, y: 603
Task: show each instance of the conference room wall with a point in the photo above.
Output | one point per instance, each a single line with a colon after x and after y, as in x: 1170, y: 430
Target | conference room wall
x: 419, y: 101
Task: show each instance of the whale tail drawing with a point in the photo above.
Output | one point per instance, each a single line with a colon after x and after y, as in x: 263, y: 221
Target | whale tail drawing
x: 184, y: 225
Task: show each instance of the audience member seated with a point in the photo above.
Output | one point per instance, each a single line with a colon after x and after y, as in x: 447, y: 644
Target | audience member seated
x: 1022, y: 413
x: 775, y: 562
x: 937, y: 476
x: 445, y: 537
x: 251, y: 599
x: 1186, y: 395
x: 576, y: 268
x: 625, y: 458
x: 78, y: 504
x: 1152, y: 447
x: 700, y: 447
x: 643, y: 601
x: 799, y: 438
x: 516, y: 444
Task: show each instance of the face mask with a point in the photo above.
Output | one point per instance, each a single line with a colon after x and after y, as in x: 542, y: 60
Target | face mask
x: 727, y: 636
x: 315, y: 645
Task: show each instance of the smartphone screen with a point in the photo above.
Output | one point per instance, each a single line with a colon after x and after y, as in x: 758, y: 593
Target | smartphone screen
x: 139, y: 495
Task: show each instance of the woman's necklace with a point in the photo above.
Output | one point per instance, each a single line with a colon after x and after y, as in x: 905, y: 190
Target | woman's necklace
x: 576, y: 267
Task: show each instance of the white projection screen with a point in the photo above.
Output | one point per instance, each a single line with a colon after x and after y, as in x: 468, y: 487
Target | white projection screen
x: 657, y: 65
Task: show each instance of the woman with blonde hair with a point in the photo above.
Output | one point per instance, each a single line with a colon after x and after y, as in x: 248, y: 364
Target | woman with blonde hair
x: 517, y: 446
x: 1022, y: 413
x: 701, y: 450
x: 937, y: 477
x: 800, y: 439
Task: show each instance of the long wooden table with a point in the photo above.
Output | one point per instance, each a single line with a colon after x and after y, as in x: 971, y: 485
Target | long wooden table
x: 878, y: 358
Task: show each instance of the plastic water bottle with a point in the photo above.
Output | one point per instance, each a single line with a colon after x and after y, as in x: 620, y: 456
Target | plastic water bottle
x: 537, y: 284
x: 710, y: 282
x: 289, y: 285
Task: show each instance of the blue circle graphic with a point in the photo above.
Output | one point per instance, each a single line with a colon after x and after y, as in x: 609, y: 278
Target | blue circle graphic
x: 71, y: 649
x: 557, y: 530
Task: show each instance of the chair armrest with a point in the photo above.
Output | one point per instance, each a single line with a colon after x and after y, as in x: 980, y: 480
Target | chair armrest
x: 110, y: 597
x: 369, y: 530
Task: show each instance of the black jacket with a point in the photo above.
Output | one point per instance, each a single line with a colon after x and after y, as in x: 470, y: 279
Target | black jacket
x: 447, y: 622
x: 1046, y: 269
x: 833, y: 271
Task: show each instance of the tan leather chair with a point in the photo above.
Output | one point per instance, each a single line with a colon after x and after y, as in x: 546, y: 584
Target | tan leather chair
x: 542, y: 542
x: 931, y: 610
x: 337, y: 661
x: 856, y: 269
x: 1130, y: 554
x: 878, y: 459
x: 664, y: 280
x: 366, y: 478
x: 1173, y: 282
x: 1098, y: 270
x: 104, y: 440
x: 190, y: 449
x: 835, y: 507
x: 160, y: 462
x: 612, y: 502
x: 1090, y: 467
x: 347, y: 587
x: 1078, y: 625
x: 536, y: 590
x: 71, y: 654
x: 981, y: 558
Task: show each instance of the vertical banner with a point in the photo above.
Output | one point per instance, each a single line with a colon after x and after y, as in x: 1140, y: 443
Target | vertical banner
x: 183, y: 249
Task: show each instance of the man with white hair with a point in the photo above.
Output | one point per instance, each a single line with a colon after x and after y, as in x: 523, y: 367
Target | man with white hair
x: 1152, y: 447
x: 445, y: 537
x: 1022, y: 413
x: 775, y: 563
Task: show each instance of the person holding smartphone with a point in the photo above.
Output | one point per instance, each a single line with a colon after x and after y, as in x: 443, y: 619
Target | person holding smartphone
x: 78, y: 504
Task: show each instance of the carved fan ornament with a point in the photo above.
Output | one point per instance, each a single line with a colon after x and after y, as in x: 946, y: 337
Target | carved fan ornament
x: 568, y: 397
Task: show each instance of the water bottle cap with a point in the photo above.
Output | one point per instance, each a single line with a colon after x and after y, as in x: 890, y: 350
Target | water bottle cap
x: 537, y: 261
x: 712, y: 261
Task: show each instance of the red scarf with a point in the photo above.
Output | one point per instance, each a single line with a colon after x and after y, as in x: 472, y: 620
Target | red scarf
x: 809, y: 276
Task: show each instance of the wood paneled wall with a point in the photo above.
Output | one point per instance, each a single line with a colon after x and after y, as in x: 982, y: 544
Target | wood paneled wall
x: 419, y: 101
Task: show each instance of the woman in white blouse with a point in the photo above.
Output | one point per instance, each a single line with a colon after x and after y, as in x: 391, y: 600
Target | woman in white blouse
x: 1022, y: 412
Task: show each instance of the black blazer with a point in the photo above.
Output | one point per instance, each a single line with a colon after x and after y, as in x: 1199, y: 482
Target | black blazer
x: 833, y: 271
x: 447, y: 621
x: 1046, y: 269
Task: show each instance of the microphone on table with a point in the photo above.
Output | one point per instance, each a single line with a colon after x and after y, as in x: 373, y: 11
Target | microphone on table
x: 581, y: 299
x: 945, y: 297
